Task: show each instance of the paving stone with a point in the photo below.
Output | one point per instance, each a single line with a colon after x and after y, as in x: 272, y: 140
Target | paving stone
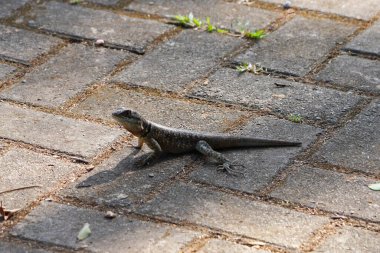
x: 59, y: 224
x: 5, y: 70
x: 331, y: 191
x: 367, y: 41
x: 76, y: 137
x: 219, y: 246
x: 357, y: 145
x: 8, y: 6
x: 179, y: 61
x: 229, y: 213
x: 311, y: 102
x: 15, y: 247
x: 297, y: 46
x: 262, y: 164
x: 349, y: 8
x: 120, y: 182
x: 351, y: 239
x: 78, y: 22
x: 104, y: 2
x: 23, y: 46
x: 162, y: 110
x: 355, y: 72
x: 21, y: 167
x: 50, y: 85
x: 222, y: 14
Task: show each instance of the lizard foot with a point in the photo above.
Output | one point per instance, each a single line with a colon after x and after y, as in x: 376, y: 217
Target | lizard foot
x: 231, y: 168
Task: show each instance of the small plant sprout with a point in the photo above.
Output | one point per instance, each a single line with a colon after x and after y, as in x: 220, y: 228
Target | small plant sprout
x: 219, y: 30
x: 249, y: 67
x: 210, y: 28
x: 259, y: 34
x: 188, y: 21
x: 295, y: 118
x: 75, y: 1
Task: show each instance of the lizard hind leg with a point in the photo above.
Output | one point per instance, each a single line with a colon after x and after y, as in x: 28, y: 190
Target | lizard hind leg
x: 230, y: 167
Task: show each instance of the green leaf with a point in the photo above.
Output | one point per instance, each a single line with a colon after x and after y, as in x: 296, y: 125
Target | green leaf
x: 295, y: 118
x: 221, y: 30
x: 84, y: 232
x: 375, y: 186
x: 259, y: 34
x: 197, y: 22
x: 75, y: 1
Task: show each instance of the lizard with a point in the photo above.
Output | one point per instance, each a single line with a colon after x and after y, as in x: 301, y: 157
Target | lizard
x: 162, y: 139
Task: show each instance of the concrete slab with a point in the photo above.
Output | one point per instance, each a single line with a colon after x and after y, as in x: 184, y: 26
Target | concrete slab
x: 179, y: 61
x: 219, y: 246
x: 67, y: 135
x: 82, y: 23
x: 297, y: 46
x: 7, y: 7
x: 263, y: 92
x: 71, y: 71
x: 366, y: 42
x: 5, y: 70
x: 241, y: 216
x: 331, y: 191
x: 59, y: 225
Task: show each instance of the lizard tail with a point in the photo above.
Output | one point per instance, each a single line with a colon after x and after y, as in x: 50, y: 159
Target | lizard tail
x: 236, y: 142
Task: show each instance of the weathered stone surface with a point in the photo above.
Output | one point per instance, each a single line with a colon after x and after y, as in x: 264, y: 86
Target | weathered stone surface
x: 65, y: 75
x: 311, y: 102
x: 76, y: 137
x: 350, y: 8
x: 331, y: 191
x: 83, y: 23
x: 16, y: 247
x: 367, y: 42
x: 357, y: 145
x: 298, y: 46
x: 8, y: 6
x: 351, y: 239
x: 245, y: 217
x: 179, y: 61
x: 5, y: 70
x: 262, y: 164
x: 219, y: 246
x: 104, y: 2
x: 222, y: 14
x: 59, y: 224
x: 23, y: 46
x: 119, y: 181
x: 355, y: 72
x: 21, y: 168
x: 166, y: 111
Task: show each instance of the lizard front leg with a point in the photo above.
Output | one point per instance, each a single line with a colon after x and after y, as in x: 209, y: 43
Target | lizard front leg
x: 204, y: 148
x: 155, y: 146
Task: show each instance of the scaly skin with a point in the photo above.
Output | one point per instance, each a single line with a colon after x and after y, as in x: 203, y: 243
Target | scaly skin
x: 163, y: 139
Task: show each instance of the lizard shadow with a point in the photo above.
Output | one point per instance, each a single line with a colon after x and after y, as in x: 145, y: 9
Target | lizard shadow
x: 130, y: 163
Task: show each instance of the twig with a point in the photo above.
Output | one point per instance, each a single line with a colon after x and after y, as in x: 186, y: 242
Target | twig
x: 20, y: 188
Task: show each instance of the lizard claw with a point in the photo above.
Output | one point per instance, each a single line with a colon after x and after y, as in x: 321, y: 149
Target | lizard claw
x: 230, y: 168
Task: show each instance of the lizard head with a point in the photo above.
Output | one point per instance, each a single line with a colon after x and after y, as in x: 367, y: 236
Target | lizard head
x: 131, y: 120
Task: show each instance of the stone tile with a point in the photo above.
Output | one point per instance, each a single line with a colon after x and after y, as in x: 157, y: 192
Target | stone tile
x: 351, y: 239
x: 8, y: 6
x: 179, y: 61
x: 78, y: 22
x: 297, y: 46
x: 222, y: 14
x: 24, y: 46
x: 21, y: 167
x: 50, y: 85
x: 166, y: 111
x: 356, y: 146
x: 262, y: 164
x: 354, y: 72
x: 229, y: 213
x: 67, y: 135
x: 219, y: 246
x: 349, y: 8
x: 5, y: 70
x: 104, y: 2
x: 367, y: 41
x: 311, y: 102
x: 59, y: 224
x: 16, y: 247
x: 120, y: 182
x: 331, y: 191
